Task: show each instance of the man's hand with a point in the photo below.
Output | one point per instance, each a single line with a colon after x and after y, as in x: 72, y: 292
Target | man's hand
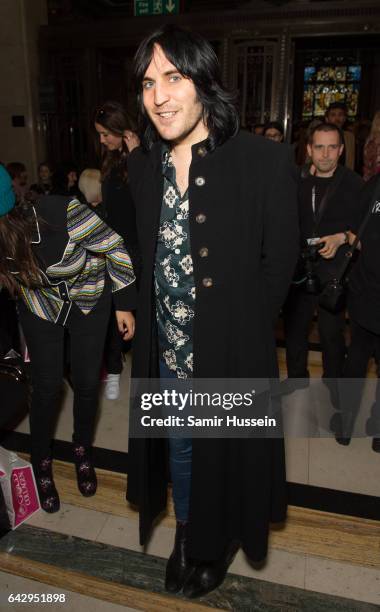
x: 126, y: 324
x: 131, y: 140
x: 332, y: 244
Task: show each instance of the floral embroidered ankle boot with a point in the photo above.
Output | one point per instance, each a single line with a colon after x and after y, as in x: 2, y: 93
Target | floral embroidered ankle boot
x: 86, y: 476
x: 48, y: 494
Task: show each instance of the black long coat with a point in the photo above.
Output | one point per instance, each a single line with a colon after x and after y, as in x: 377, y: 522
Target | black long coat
x: 245, y: 213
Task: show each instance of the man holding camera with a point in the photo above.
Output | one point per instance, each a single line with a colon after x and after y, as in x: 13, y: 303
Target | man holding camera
x: 329, y: 214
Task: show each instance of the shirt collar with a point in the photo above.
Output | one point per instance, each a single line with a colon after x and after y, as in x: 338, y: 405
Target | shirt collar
x: 199, y: 149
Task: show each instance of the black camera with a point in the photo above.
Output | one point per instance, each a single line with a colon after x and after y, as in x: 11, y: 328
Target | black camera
x: 310, y: 255
x: 310, y: 252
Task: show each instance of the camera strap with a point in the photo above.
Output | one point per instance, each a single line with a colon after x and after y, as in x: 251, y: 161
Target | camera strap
x: 337, y: 179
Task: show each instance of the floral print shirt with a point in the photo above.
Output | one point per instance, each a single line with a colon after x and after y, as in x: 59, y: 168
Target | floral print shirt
x: 173, y: 277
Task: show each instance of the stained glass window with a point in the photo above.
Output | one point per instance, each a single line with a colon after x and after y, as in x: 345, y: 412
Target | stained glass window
x: 326, y: 84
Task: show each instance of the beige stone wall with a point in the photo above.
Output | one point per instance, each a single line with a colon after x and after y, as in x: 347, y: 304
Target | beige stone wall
x: 19, y: 24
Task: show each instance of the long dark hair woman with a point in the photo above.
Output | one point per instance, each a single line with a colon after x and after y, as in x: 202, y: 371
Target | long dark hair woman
x: 65, y: 266
x: 117, y: 140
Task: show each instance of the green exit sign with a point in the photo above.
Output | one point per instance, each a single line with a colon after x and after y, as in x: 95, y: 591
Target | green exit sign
x: 156, y: 7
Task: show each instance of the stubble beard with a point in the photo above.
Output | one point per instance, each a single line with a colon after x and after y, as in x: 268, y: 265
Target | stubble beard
x: 184, y: 134
x: 323, y: 170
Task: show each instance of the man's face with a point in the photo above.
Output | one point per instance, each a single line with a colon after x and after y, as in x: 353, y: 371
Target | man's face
x: 325, y: 151
x: 337, y: 116
x: 21, y: 179
x: 171, y: 102
x: 273, y: 134
x: 45, y: 174
x: 111, y: 141
x: 72, y: 178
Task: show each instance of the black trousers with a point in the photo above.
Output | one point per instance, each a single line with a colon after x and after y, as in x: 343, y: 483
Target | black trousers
x: 298, y: 312
x: 113, y: 346
x: 45, y: 343
x: 364, y: 344
x: 9, y: 337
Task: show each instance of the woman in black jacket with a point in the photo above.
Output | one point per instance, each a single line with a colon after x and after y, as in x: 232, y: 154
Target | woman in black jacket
x: 364, y: 312
x: 66, y: 266
x: 117, y: 141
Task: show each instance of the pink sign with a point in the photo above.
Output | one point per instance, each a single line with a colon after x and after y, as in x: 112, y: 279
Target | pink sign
x: 24, y: 494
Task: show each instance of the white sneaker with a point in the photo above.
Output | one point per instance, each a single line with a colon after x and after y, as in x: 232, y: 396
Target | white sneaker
x: 112, y: 388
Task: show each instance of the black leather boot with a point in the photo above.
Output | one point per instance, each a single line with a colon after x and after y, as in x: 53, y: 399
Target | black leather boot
x: 178, y: 568
x: 86, y: 476
x: 207, y: 576
x: 47, y: 492
x: 376, y: 445
x: 337, y: 426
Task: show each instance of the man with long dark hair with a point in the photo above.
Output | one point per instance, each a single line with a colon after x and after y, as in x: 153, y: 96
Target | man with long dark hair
x: 216, y: 217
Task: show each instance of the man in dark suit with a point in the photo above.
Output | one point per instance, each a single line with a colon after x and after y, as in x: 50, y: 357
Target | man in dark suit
x: 217, y: 227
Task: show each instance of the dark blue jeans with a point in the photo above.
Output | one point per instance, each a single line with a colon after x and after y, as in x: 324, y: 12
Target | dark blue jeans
x: 180, y: 451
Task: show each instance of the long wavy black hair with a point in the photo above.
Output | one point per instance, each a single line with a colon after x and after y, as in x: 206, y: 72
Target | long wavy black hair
x: 195, y: 59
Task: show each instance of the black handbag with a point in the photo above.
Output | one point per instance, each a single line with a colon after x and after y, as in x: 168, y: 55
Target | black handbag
x: 333, y: 294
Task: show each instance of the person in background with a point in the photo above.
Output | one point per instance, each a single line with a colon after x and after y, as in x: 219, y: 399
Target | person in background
x: 91, y: 187
x: 274, y: 131
x: 302, y: 156
x: 65, y: 271
x: 371, y: 153
x: 364, y: 312
x: 65, y: 180
x: 19, y: 176
x: 45, y: 177
x: 9, y: 333
x: 117, y: 140
x: 337, y: 115
x: 258, y: 129
x: 325, y: 238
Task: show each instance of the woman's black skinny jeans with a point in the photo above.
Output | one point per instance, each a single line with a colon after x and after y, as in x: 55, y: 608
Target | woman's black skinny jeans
x: 45, y: 342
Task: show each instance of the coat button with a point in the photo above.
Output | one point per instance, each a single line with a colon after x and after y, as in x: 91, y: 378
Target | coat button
x: 200, y: 218
x: 203, y: 252
x: 200, y: 181
x: 207, y: 282
x: 201, y: 151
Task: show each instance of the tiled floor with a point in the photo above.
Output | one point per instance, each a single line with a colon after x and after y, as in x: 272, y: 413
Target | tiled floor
x: 292, y: 569
x: 320, y: 462
x: 120, y: 575
x: 343, y: 579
